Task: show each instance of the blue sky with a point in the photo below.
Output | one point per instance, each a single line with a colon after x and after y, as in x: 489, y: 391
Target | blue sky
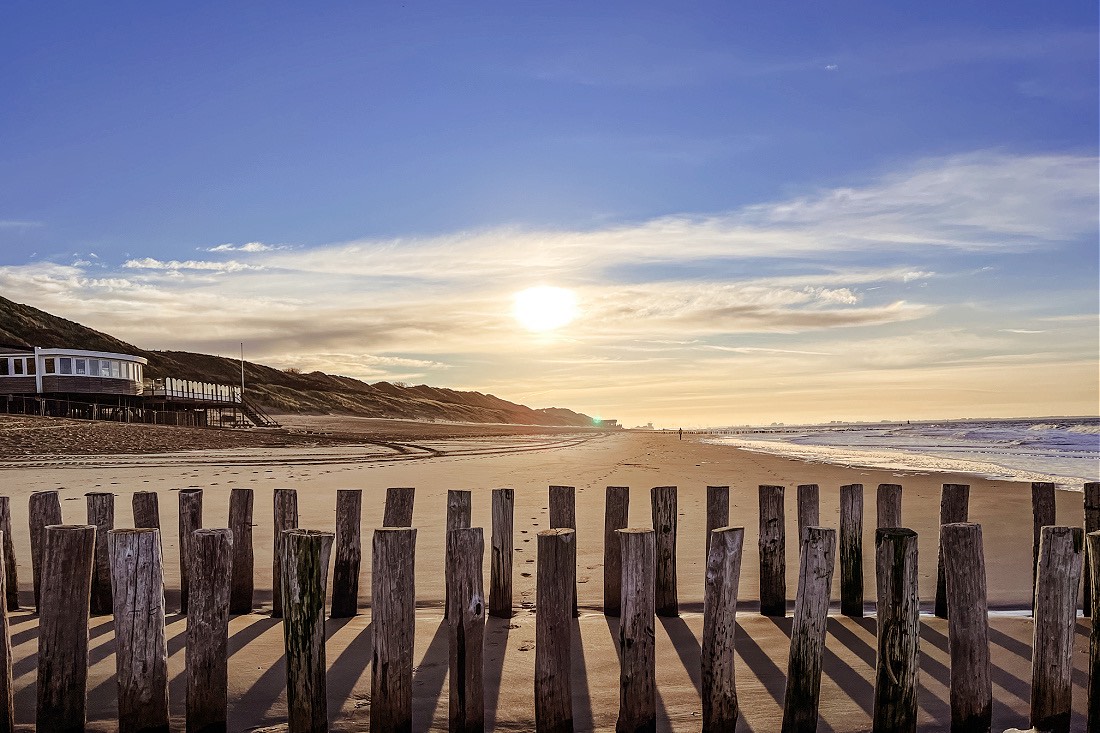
x: 790, y: 211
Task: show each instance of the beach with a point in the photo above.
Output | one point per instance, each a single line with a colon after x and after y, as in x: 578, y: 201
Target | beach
x: 434, y: 460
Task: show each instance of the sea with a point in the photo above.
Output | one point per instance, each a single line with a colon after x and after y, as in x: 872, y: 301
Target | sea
x: 1064, y: 451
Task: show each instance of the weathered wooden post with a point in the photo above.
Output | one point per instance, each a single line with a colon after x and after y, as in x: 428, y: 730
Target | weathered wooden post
x: 1092, y: 524
x: 889, y: 505
x: 393, y: 623
x: 811, y: 612
x: 11, y: 584
x: 663, y: 504
x: 1059, y: 574
x: 190, y: 506
x: 637, y: 671
x: 851, y: 550
x: 717, y: 655
x: 500, y: 580
x: 898, y: 630
x: 7, y: 690
x: 718, y: 511
x: 773, y: 562
x: 968, y: 627
x: 304, y: 580
x: 146, y: 506
x: 244, y: 560
x: 809, y: 508
x: 1093, y: 713
x: 563, y: 515
x: 208, y: 630
x: 67, y: 557
x: 349, y: 553
x: 459, y: 509
x: 553, y: 681
x: 616, y: 510
x: 1043, y: 515
x: 141, y: 649
x: 399, y: 507
x: 954, y: 509
x: 101, y: 515
x: 466, y: 627
x: 286, y: 517
x: 44, y: 509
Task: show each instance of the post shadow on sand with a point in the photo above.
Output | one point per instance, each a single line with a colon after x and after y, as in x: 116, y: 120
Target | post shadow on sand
x: 582, y: 695
x: 429, y: 676
x: 687, y: 648
x: 497, y: 631
x: 346, y: 670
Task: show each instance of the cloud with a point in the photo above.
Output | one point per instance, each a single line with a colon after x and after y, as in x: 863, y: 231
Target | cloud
x: 19, y: 224
x: 149, y: 263
x: 248, y: 247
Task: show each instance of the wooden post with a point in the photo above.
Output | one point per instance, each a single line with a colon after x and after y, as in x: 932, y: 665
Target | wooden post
x: 146, y: 507
x: 954, y: 509
x: 717, y: 655
x: 553, y: 681
x: 663, y: 504
x: 718, y: 511
x: 1043, y: 515
x: 1093, y: 713
x: 304, y: 580
x: 811, y: 611
x: 349, y: 553
x: 968, y: 627
x: 637, y: 675
x: 286, y: 517
x: 809, y: 508
x: 615, y: 514
x: 190, y: 506
x: 244, y: 561
x: 393, y: 623
x: 208, y: 630
x: 459, y: 507
x: 7, y: 691
x: 889, y: 506
x: 11, y: 584
x: 1059, y: 574
x: 67, y: 557
x: 851, y: 550
x: 1092, y: 524
x: 101, y: 515
x: 399, y: 507
x: 563, y: 515
x: 773, y: 563
x: 895, y: 707
x: 141, y: 648
x: 466, y: 630
x: 500, y: 580
x: 44, y: 509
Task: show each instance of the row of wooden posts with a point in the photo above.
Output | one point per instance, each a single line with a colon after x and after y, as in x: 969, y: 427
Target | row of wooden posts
x: 94, y: 568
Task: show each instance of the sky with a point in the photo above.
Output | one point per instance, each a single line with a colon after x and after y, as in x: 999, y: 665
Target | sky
x: 768, y: 212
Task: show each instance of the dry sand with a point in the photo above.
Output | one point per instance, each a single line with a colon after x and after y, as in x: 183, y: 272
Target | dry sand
x: 529, y: 463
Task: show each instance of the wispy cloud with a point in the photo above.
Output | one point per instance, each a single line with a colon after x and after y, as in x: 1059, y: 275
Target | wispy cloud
x: 149, y: 263
x: 247, y: 247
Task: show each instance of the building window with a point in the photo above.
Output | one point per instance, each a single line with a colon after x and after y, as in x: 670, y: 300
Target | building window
x: 93, y: 367
x: 50, y: 364
x: 66, y: 365
x: 18, y: 364
x: 81, y: 366
x: 32, y: 366
x: 3, y: 367
x: 116, y: 370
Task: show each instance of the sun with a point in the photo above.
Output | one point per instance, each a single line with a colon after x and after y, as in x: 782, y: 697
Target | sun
x: 544, y: 308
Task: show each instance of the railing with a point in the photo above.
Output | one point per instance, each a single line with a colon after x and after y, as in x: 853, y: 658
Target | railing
x: 170, y: 387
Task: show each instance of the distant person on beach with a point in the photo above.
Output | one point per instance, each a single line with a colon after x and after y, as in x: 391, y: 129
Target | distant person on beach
x: 681, y: 433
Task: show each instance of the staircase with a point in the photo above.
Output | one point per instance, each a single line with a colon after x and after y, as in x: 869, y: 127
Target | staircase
x: 256, y: 414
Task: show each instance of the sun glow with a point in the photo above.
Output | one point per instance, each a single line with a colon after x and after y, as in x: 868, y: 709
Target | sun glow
x: 544, y: 308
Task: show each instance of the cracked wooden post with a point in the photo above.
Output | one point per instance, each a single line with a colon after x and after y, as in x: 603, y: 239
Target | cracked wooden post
x: 101, y: 515
x: 466, y: 630
x: 563, y: 515
x: 888, y: 506
x: 500, y: 580
x: 393, y: 624
x: 208, y: 630
x: 146, y: 506
x: 244, y: 559
x: 11, y: 580
x: 809, y: 508
x: 851, y: 550
x: 637, y: 671
x: 1042, y: 515
x: 1059, y: 574
x: 349, y: 553
x: 459, y: 509
x: 954, y: 509
x: 141, y: 648
x: 773, y: 562
x: 968, y: 627
x: 44, y: 509
x: 1093, y: 713
x: 67, y: 557
x: 190, y: 506
x: 663, y: 505
x: 304, y: 580
x: 718, y: 512
x: 717, y: 654
x: 615, y: 513
x: 898, y: 630
x: 399, y: 507
x: 7, y: 691
x: 811, y: 612
x: 553, y: 624
x: 1092, y: 524
x: 286, y: 517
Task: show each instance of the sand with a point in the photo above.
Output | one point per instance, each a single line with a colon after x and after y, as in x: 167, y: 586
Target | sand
x: 529, y: 463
